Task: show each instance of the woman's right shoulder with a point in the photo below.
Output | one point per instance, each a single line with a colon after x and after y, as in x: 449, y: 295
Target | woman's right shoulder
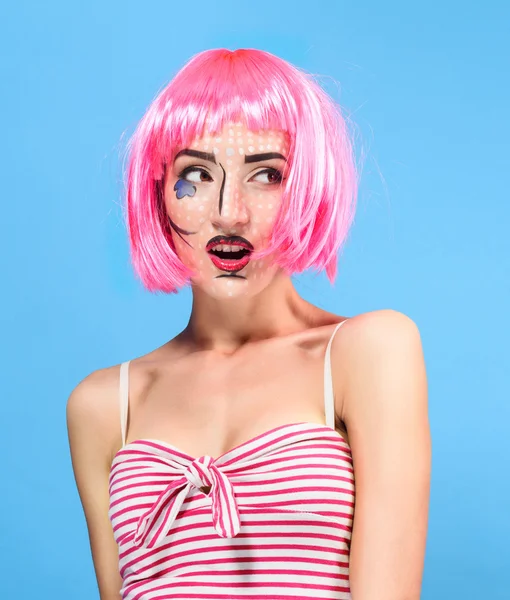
x: 93, y: 427
x: 93, y: 406
x: 92, y: 409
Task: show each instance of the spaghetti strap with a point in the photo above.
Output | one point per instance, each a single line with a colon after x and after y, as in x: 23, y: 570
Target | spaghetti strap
x: 124, y: 398
x: 329, y: 400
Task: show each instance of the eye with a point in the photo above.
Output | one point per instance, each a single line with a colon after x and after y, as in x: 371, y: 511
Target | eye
x: 195, y: 175
x: 270, y: 176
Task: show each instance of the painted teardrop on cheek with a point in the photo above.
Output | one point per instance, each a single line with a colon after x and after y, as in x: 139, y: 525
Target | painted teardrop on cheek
x: 184, y: 188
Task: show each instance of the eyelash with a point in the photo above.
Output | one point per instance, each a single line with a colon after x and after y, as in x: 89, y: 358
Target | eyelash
x: 268, y: 170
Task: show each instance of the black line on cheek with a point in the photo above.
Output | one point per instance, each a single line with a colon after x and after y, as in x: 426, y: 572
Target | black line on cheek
x: 222, y: 187
x: 180, y: 232
x: 162, y: 208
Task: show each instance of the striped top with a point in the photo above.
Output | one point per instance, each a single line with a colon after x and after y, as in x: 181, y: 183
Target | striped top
x: 270, y: 518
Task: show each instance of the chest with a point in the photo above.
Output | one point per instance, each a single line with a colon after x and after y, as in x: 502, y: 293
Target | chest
x: 294, y: 484
x: 206, y: 405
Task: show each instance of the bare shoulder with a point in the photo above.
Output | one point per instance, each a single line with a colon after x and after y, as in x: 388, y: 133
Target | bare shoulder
x: 93, y: 408
x: 386, y: 317
x: 380, y: 340
x: 93, y: 423
x: 386, y: 415
x: 379, y: 327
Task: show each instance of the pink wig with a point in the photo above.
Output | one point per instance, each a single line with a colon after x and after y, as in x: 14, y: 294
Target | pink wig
x: 264, y: 92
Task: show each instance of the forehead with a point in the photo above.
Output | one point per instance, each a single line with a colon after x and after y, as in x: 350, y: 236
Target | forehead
x: 237, y: 134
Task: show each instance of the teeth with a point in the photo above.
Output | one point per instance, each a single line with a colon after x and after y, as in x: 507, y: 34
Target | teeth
x: 225, y: 248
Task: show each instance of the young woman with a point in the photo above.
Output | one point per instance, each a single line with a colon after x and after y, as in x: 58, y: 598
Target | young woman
x: 271, y: 449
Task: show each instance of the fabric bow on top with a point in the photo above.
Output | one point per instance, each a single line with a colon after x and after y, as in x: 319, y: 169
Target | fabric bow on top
x: 154, y: 525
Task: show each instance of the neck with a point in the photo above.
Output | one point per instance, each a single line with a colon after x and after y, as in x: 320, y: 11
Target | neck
x: 224, y: 325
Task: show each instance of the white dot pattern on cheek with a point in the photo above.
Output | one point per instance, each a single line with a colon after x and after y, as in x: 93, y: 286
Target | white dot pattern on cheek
x: 243, y: 197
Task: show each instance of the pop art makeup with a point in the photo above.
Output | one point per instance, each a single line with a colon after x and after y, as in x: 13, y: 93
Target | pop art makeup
x: 222, y: 195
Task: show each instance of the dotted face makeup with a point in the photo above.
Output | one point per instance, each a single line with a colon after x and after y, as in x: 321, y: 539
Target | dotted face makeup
x: 222, y: 195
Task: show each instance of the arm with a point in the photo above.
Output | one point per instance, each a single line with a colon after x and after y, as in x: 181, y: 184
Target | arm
x: 90, y: 441
x: 385, y: 411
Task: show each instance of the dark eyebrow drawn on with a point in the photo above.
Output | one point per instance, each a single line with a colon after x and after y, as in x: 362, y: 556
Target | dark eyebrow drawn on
x: 264, y: 156
x: 196, y: 154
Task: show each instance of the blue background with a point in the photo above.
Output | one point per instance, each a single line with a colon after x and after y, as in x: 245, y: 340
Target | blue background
x: 427, y: 85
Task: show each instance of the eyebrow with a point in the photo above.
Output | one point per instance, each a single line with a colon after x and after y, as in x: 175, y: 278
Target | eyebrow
x: 251, y: 158
x: 264, y: 156
x: 196, y: 154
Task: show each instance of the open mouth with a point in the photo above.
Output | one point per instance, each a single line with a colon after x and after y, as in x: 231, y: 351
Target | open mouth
x: 230, y: 260
x: 229, y: 253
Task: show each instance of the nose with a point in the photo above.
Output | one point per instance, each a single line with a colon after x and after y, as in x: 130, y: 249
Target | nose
x: 230, y: 209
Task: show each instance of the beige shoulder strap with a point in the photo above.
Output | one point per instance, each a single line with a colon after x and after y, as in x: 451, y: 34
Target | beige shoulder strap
x: 329, y: 400
x: 124, y: 398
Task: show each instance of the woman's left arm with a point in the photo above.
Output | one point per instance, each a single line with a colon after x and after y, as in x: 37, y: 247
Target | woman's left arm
x: 385, y: 410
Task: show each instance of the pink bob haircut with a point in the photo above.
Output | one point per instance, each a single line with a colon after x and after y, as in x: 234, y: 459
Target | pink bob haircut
x: 262, y: 91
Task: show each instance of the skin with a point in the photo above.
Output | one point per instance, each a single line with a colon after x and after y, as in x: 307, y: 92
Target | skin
x: 232, y: 192
x: 235, y: 197
x: 251, y: 358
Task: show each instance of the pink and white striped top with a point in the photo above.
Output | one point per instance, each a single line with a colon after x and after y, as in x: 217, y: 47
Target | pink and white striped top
x: 270, y: 518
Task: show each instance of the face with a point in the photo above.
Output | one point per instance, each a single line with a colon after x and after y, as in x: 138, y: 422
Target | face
x: 222, y: 195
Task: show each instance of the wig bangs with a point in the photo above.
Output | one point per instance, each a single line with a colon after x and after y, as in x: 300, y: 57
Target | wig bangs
x: 212, y: 92
x: 264, y: 92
